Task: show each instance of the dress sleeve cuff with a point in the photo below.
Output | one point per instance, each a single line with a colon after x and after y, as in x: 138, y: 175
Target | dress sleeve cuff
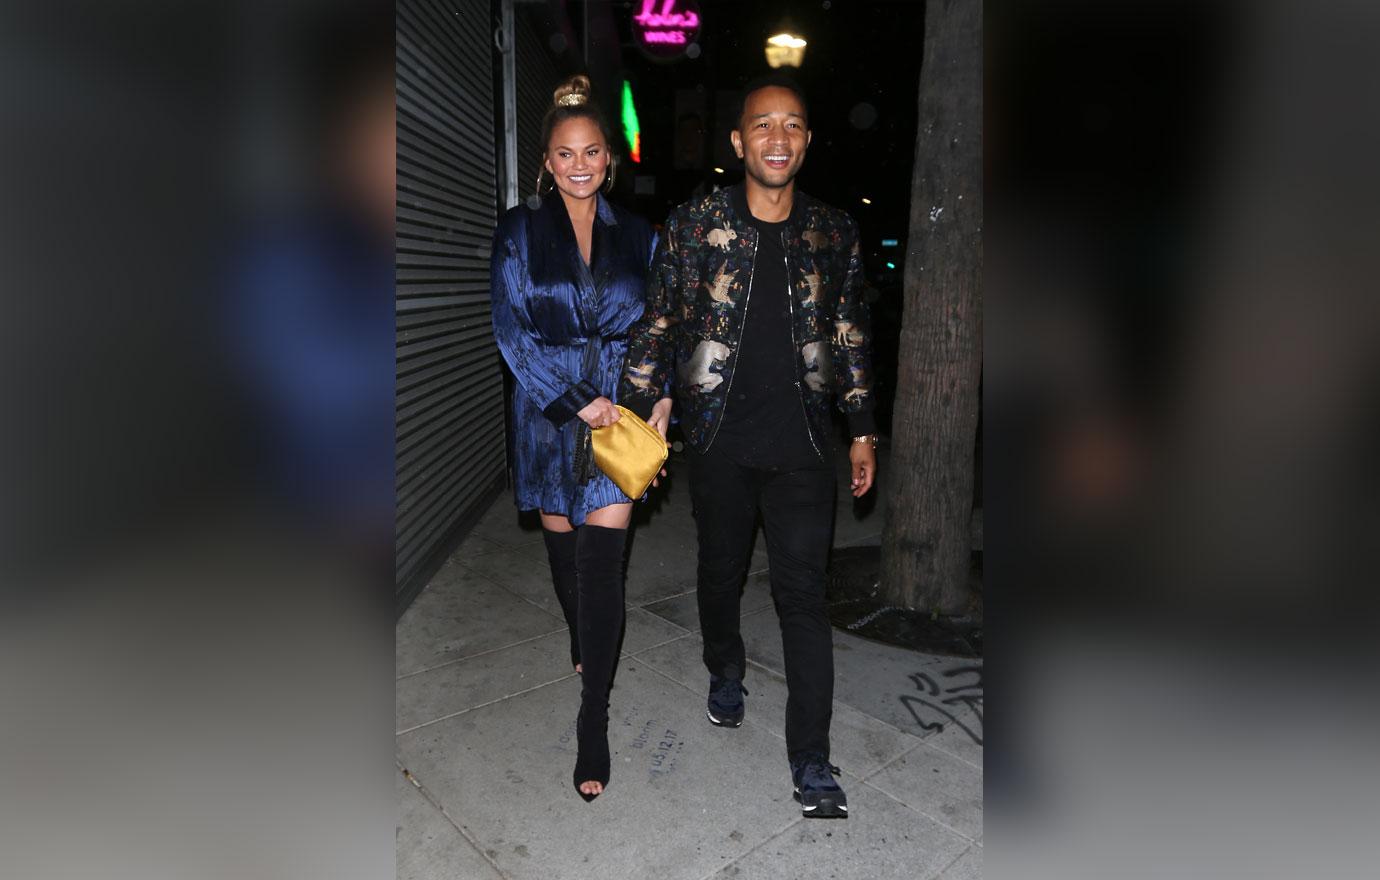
x: 860, y: 423
x: 565, y: 407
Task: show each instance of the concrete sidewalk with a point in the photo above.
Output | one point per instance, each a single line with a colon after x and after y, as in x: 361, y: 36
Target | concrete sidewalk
x: 486, y: 707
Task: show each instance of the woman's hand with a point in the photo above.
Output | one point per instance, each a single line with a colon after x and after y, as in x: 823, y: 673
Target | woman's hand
x: 600, y: 413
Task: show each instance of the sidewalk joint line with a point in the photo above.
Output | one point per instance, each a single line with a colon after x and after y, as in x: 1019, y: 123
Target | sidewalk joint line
x: 763, y: 842
x: 926, y: 742
x: 661, y: 644
x: 481, y: 653
x: 899, y: 757
x: 660, y: 619
x: 688, y: 592
x: 513, y: 592
x: 939, y: 748
x: 482, y: 705
x: 495, y: 549
x: 431, y: 799
x: 955, y: 861
x: 668, y: 677
x: 941, y: 822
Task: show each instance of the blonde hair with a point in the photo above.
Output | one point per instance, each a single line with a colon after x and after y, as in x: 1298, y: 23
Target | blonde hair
x: 574, y: 92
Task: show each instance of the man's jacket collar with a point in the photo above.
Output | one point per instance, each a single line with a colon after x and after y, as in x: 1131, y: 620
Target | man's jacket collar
x: 737, y: 200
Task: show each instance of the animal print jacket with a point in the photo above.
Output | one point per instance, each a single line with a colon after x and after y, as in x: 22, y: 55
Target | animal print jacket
x: 698, y: 294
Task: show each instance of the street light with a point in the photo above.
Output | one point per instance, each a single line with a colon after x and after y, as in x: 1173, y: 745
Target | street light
x: 785, y: 50
x: 867, y: 201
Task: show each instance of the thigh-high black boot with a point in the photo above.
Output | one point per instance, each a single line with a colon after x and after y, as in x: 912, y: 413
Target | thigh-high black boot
x: 560, y: 553
x: 600, y: 563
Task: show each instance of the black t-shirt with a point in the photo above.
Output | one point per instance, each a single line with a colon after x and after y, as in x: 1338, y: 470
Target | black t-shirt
x: 764, y: 417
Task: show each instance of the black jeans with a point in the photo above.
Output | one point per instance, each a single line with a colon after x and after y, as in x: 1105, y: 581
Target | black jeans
x: 797, y: 509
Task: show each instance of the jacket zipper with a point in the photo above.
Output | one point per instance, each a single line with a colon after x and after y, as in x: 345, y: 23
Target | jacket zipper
x: 746, y: 302
x: 795, y: 348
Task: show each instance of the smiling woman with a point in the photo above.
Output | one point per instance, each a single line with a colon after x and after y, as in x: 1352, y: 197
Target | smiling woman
x: 575, y: 142
x: 578, y: 161
x: 568, y: 270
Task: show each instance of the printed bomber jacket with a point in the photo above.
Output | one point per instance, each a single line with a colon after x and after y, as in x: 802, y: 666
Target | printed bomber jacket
x: 697, y: 296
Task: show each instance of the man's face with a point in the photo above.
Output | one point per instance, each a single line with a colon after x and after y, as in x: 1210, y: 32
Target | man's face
x: 772, y: 138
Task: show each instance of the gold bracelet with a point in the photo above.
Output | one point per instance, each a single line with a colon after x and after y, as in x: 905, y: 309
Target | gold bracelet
x: 867, y: 438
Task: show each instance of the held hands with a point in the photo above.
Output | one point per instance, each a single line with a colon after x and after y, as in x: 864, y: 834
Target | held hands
x: 600, y: 413
x: 864, y: 460
x: 661, y: 420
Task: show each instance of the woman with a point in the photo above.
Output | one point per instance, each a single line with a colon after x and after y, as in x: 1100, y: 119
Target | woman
x: 567, y: 283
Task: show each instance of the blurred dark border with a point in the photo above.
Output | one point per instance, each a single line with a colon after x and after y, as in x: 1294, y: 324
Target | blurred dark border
x: 1178, y: 422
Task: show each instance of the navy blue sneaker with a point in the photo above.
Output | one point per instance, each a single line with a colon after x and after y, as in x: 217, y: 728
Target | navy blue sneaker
x: 819, y: 795
x: 725, y: 707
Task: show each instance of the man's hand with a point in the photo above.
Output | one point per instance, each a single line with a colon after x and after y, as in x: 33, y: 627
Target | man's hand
x: 864, y: 460
x: 661, y: 420
x: 600, y: 413
x: 661, y: 416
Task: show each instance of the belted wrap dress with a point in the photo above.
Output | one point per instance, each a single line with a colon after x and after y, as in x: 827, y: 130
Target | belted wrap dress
x: 562, y: 328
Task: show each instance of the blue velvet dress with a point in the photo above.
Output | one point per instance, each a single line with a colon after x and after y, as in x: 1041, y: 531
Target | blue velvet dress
x: 562, y: 328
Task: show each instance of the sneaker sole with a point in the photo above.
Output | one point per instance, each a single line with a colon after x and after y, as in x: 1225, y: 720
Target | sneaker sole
x: 722, y: 722
x: 827, y: 808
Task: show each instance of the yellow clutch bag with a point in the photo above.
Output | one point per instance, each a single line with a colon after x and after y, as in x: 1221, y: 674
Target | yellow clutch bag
x: 630, y: 451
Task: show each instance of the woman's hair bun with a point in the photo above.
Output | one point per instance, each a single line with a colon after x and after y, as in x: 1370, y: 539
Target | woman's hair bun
x: 571, y: 93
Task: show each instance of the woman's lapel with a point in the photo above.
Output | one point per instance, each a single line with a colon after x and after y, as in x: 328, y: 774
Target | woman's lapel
x: 569, y: 250
x: 605, y: 249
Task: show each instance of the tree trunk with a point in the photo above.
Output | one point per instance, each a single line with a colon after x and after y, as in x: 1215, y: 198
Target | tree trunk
x: 927, y: 541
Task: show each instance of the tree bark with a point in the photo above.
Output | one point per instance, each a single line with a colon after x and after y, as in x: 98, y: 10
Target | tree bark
x: 926, y: 544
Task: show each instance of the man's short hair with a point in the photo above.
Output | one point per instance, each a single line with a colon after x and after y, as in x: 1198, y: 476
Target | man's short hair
x: 766, y: 81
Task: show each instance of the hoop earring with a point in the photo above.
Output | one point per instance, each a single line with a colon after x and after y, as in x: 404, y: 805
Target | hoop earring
x: 612, y: 173
x: 541, y: 170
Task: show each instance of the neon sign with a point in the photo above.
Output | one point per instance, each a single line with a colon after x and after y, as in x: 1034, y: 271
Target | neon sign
x: 666, y: 28
x: 631, y: 130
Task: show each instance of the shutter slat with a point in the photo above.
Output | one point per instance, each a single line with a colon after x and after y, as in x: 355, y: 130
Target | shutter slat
x: 450, y: 451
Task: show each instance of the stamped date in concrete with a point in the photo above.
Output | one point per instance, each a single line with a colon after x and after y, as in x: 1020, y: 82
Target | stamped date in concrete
x: 661, y: 746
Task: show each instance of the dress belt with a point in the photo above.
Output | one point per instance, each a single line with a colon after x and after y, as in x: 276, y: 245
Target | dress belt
x: 584, y: 445
x: 584, y: 340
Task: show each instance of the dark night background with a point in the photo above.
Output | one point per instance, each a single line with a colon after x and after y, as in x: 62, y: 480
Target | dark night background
x: 860, y: 74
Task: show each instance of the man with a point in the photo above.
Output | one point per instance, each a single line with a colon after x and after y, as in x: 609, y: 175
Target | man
x: 755, y: 317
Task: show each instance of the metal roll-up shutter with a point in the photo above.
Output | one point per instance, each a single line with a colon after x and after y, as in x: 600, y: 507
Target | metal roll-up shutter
x: 450, y: 441
x: 537, y: 76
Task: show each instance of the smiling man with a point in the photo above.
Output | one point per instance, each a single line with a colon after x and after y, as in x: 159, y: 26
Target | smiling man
x: 755, y: 318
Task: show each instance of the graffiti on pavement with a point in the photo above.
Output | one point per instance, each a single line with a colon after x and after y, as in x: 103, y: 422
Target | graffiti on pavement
x: 941, y: 702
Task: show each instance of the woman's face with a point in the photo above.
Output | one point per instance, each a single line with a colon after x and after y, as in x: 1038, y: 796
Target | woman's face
x: 577, y: 157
